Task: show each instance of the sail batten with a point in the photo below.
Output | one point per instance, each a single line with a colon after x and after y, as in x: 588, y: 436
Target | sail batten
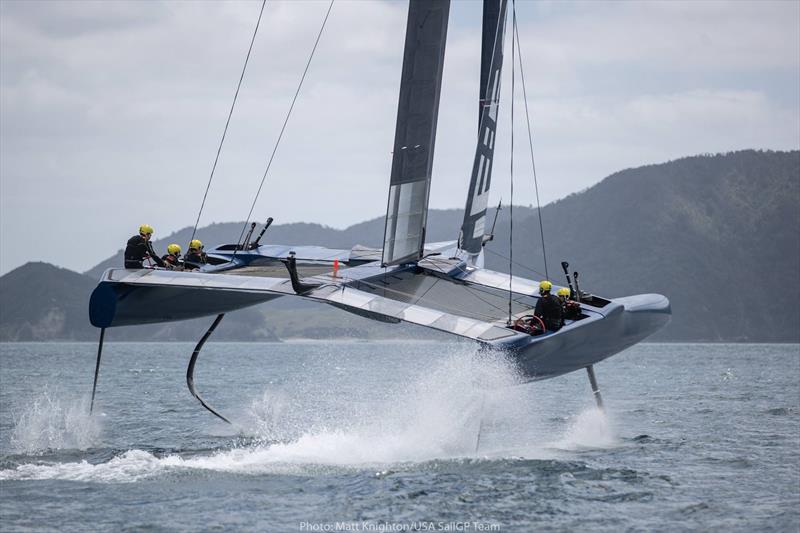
x: 473, y: 227
x: 415, y: 135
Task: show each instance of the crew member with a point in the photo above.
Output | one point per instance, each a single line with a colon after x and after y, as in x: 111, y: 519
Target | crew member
x: 548, y: 308
x: 563, y: 295
x: 195, y: 257
x: 172, y: 259
x: 571, y: 309
x: 139, y: 247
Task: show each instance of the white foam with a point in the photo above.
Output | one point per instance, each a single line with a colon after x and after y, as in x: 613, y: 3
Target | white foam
x: 49, y: 422
x: 590, y: 429
x: 438, y: 415
x: 128, y: 467
x: 434, y: 417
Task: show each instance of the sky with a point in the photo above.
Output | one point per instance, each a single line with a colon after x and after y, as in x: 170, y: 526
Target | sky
x: 111, y: 112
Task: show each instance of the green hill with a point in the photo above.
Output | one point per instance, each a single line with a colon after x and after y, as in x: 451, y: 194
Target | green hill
x: 718, y: 234
x: 40, y: 302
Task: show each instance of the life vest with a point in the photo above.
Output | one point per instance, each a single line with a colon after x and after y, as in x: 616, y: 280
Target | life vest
x: 171, y: 260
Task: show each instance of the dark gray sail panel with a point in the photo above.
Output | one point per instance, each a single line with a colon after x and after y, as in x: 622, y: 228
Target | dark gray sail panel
x: 415, y: 135
x: 473, y: 227
x: 491, y: 17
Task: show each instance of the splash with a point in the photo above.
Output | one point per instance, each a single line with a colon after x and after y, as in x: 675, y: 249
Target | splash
x: 436, y: 415
x: 432, y: 413
x: 591, y: 429
x: 49, y: 422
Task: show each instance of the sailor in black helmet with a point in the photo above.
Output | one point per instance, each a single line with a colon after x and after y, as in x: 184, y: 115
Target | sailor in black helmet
x: 139, y: 247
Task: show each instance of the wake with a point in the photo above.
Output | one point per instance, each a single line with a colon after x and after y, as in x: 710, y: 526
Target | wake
x: 435, y: 416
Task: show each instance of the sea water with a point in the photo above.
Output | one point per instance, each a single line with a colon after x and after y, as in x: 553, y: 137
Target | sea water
x: 397, y: 436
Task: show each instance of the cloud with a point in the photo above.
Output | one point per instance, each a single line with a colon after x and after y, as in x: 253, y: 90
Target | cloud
x: 581, y: 140
x: 111, y: 112
x: 65, y: 20
x: 675, y: 35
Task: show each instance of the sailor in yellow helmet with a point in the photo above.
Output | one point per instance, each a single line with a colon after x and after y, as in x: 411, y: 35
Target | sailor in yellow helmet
x: 545, y: 286
x: 195, y: 257
x: 140, y: 248
x: 548, y: 307
x: 172, y: 259
x: 563, y: 294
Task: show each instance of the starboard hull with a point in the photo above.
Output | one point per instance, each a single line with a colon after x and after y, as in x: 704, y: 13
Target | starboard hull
x: 626, y: 322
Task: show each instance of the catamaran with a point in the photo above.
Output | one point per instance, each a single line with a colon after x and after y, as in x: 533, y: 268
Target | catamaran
x: 439, y: 285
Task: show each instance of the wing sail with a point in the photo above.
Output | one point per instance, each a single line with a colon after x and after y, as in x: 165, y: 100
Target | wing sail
x: 474, y: 225
x: 417, y: 113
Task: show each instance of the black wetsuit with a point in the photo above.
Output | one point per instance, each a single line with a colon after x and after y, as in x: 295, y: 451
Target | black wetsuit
x: 171, y: 261
x: 137, y: 249
x: 572, y: 310
x: 194, y: 260
x: 548, y: 308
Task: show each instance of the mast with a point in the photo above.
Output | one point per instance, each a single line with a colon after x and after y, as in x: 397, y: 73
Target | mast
x: 415, y: 134
x: 474, y: 226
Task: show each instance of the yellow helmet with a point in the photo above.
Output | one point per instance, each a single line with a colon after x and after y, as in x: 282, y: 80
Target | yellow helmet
x: 174, y: 249
x: 563, y: 291
x: 146, y: 229
x: 545, y: 286
x: 196, y: 244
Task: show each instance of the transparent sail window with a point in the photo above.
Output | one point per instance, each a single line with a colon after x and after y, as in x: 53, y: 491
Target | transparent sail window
x: 405, y: 220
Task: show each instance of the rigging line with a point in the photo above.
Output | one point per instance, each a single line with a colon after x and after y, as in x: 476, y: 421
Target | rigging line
x: 228, y: 121
x: 441, y: 307
x: 491, y: 291
x: 530, y: 142
x: 344, y: 279
x: 476, y: 288
x: 286, y: 121
x: 468, y: 288
x: 517, y: 299
x: 472, y: 289
x: 487, y: 302
x: 529, y: 269
x: 435, y: 282
x: 511, y: 203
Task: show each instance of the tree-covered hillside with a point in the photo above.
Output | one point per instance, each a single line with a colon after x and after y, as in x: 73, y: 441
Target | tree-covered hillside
x: 718, y: 234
